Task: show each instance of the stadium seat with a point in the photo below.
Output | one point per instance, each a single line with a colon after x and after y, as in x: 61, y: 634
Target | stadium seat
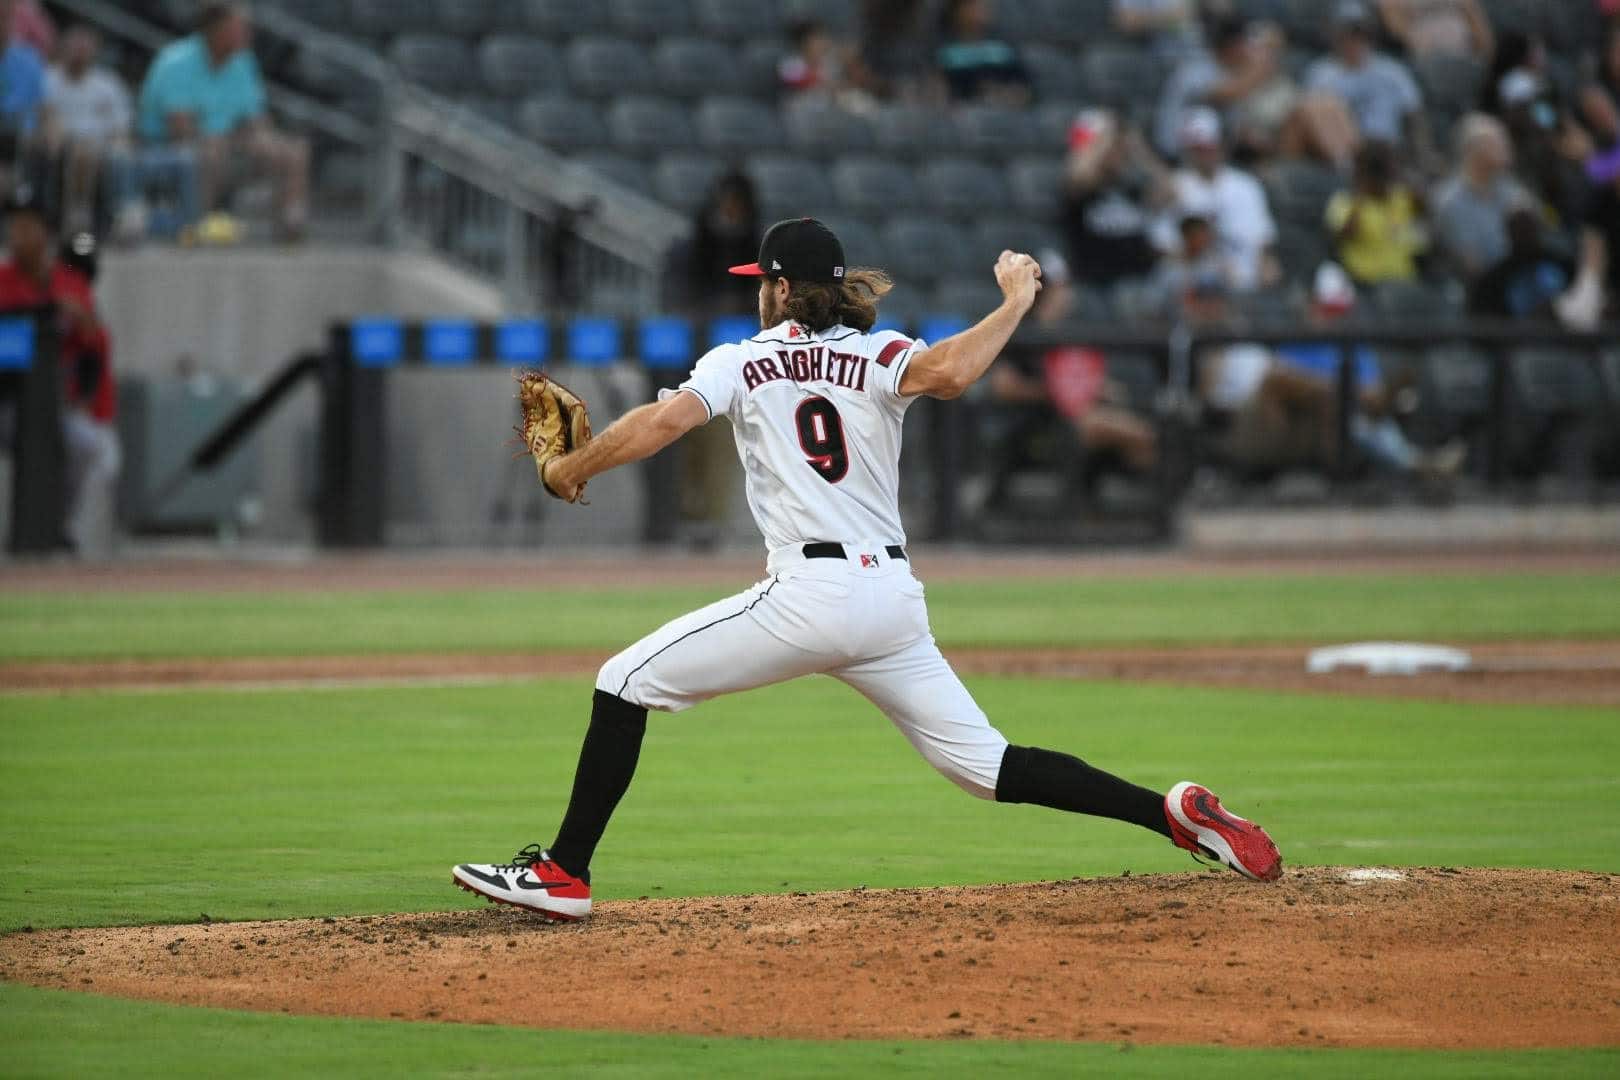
x: 641, y: 125
x: 789, y: 186
x: 561, y: 123
x: 1412, y: 302
x: 993, y: 131
x: 822, y: 128
x: 874, y: 186
x: 652, y: 19
x: 913, y: 131
x: 563, y: 18
x: 622, y: 170
x: 923, y: 250
x: 1037, y: 186
x: 692, y: 67
x: 1302, y: 248
x: 993, y: 236
x: 1451, y: 84
x: 513, y: 65
x: 758, y: 65
x: 1122, y: 75
x: 968, y: 298
x: 384, y: 18
x: 736, y: 18
x: 439, y: 63
x: 1055, y: 71
x: 1298, y: 192
x: 1546, y: 380
x: 603, y: 67
x: 345, y: 178
x: 314, y: 71
x: 862, y: 245
x: 683, y: 180
x: 473, y: 18
x: 961, y: 187
x: 902, y: 308
x: 838, y: 16
x: 1073, y: 23
x: 737, y: 125
x: 1049, y: 126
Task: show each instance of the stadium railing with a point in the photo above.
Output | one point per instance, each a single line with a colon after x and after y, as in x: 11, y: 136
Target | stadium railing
x: 362, y: 352
x: 448, y: 180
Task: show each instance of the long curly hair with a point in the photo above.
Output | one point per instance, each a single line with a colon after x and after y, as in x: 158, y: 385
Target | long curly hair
x: 852, y: 302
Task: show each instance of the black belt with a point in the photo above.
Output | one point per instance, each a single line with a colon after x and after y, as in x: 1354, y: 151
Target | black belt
x: 836, y: 551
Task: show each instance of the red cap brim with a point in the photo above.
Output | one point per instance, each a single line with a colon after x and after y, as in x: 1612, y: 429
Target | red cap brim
x: 748, y: 270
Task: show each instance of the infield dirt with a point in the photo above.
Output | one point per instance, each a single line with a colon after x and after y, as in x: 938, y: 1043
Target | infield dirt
x: 1436, y: 958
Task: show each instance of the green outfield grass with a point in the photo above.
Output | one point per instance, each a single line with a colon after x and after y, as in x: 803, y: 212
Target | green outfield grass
x: 1194, y: 609
x: 284, y: 803
x: 349, y: 801
x: 50, y: 1034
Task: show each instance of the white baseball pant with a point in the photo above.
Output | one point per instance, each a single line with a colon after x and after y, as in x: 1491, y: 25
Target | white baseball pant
x: 861, y: 619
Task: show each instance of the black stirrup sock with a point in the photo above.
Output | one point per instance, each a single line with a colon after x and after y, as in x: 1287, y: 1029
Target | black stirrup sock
x: 1064, y: 782
x: 607, y: 761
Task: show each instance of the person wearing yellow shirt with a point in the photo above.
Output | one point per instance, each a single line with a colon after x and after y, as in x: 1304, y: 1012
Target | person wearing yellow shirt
x: 1378, y: 224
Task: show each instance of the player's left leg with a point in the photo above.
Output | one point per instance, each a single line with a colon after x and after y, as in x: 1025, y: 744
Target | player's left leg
x: 916, y: 688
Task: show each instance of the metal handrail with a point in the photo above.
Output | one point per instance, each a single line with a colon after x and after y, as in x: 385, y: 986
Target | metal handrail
x: 518, y: 180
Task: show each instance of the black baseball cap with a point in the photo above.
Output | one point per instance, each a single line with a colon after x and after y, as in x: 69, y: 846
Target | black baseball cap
x: 799, y: 249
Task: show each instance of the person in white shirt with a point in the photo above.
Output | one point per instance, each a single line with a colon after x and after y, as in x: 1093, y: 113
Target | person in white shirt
x: 93, y: 119
x: 816, y: 401
x: 1230, y: 199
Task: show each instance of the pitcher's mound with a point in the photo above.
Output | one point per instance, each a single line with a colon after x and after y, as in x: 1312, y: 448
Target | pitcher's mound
x: 1327, y: 956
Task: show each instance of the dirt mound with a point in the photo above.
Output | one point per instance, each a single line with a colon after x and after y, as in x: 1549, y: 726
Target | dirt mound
x: 1417, y: 958
x: 1545, y: 672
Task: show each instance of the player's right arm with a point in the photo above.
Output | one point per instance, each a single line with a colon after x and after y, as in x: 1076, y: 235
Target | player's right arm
x: 947, y: 368
x: 639, y: 433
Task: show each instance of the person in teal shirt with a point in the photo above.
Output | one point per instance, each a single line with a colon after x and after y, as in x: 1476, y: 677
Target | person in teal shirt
x: 205, y: 91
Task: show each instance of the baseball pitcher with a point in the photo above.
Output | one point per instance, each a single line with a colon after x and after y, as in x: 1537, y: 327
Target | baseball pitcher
x: 816, y: 399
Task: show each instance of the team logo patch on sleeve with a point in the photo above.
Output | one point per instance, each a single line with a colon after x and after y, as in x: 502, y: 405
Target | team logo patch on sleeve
x: 892, y: 350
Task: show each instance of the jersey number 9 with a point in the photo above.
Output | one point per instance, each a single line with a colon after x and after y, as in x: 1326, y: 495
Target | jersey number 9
x: 821, y: 435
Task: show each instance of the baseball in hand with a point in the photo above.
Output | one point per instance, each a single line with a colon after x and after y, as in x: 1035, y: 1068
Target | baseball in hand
x: 1019, y: 276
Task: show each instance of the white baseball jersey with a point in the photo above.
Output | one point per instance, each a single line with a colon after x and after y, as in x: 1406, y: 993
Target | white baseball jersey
x: 817, y: 418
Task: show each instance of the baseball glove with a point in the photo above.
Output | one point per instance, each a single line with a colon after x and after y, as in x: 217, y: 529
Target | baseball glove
x: 554, y: 422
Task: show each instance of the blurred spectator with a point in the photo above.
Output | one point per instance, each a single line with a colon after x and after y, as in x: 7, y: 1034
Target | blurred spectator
x: 725, y: 234
x: 22, y: 92
x: 93, y: 122
x: 33, y: 277
x: 1527, y: 281
x: 1171, y: 27
x: 1379, y: 91
x: 1550, y: 147
x: 1114, y: 186
x: 205, y: 90
x: 1073, y: 379
x: 1472, y: 205
x: 1438, y: 27
x: 1516, y: 51
x: 1378, y: 224
x: 1231, y: 200
x: 1280, y: 411
x: 1240, y: 75
x: 1600, y: 95
x: 975, y: 65
x: 1597, y: 281
x: 1373, y: 430
x: 1192, y: 282
x: 814, y: 63
x: 31, y: 25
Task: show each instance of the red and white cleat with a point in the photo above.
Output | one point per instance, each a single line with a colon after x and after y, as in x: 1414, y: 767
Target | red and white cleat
x: 1199, y: 824
x: 531, y: 880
